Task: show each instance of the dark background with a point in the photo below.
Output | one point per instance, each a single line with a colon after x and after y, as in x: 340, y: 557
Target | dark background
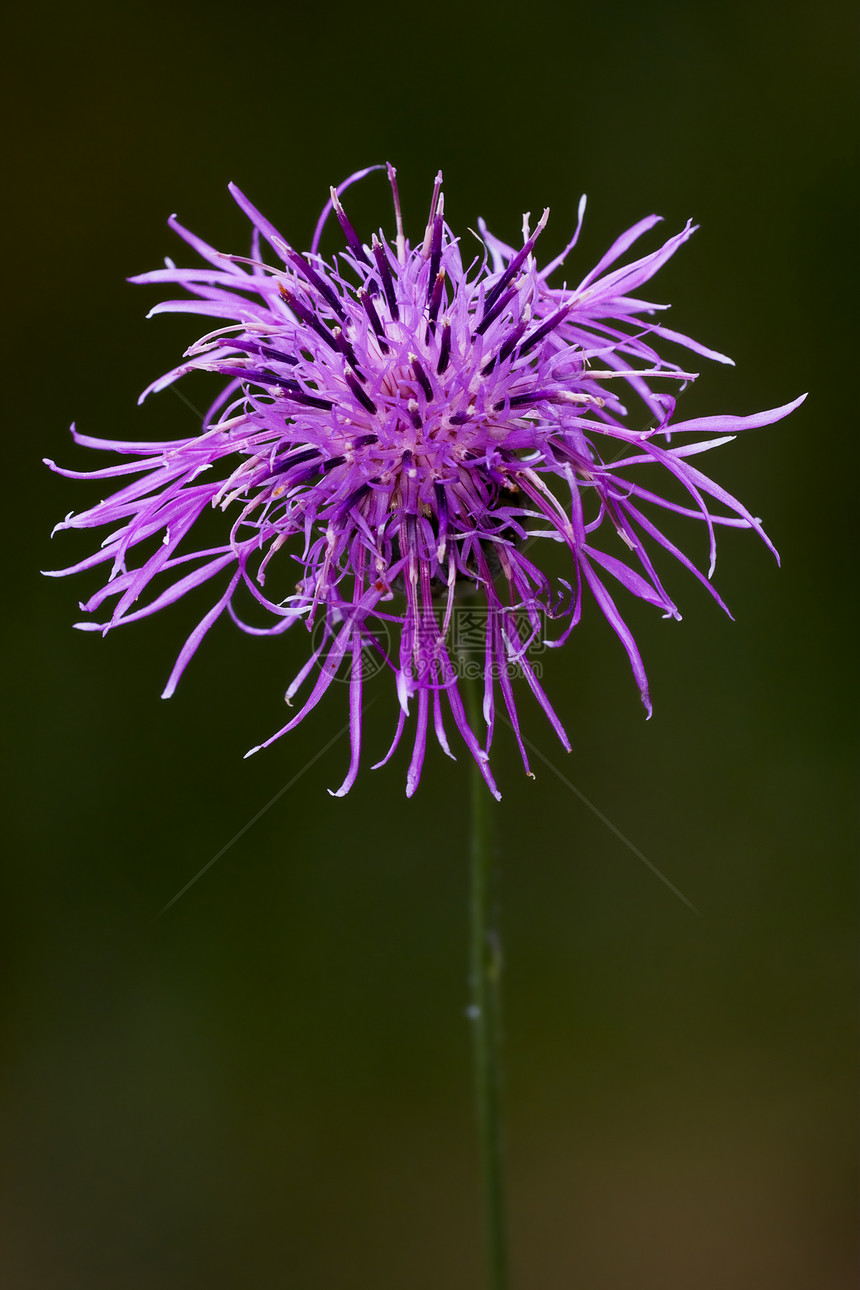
x: 270, y: 1084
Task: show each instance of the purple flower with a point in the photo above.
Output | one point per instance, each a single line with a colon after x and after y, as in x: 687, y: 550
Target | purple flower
x: 398, y: 428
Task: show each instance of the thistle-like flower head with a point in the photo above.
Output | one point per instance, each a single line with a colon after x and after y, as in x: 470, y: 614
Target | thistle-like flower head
x: 401, y: 429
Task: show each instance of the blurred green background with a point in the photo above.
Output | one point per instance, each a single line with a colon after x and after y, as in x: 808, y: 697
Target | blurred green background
x: 270, y: 1084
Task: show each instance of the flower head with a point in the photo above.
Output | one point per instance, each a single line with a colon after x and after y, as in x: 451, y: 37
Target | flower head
x: 400, y: 427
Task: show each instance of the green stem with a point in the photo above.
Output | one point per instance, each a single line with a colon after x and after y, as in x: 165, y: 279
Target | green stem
x: 485, y: 1015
